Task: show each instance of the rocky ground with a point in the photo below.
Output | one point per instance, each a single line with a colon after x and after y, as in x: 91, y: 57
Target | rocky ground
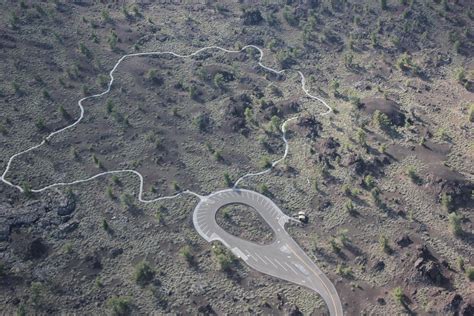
x: 386, y: 180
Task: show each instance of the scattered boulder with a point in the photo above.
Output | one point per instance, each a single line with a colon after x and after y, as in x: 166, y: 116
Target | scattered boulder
x: 67, y: 228
x: 288, y: 107
x: 251, y: 16
x: 355, y: 164
x: 92, y: 262
x: 424, y: 253
x: 237, y: 104
x: 467, y: 308
x: 115, y: 252
x: 294, y: 311
x: 66, y: 206
x: 327, y: 149
x: 206, y: 309
x: 404, y: 241
x: 460, y: 192
x: 454, y: 302
x: 21, y: 217
x: 37, y: 249
x: 310, y: 127
x: 427, y: 268
x: 4, y: 231
x: 378, y: 266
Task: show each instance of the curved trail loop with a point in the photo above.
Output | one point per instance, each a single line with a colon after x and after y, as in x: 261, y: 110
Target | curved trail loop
x: 109, y: 86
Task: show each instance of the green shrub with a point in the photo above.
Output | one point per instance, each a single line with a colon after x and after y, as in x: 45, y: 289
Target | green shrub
x: 224, y: 257
x: 3, y: 130
x: 202, y: 122
x: 349, y: 207
x: 105, y: 225
x: 336, y: 248
x: 344, y: 271
x: 290, y: 16
x: 227, y: 179
x: 411, y: 173
x: 265, y: 162
x: 37, y: 293
x: 455, y: 224
x: 176, y: 186
x: 460, y: 75
x: 27, y: 190
x: 40, y: 124
x: 127, y: 201
x: 186, y: 253
x: 106, y: 16
x: 369, y: 181
x: 153, y: 77
x: 219, y: 81
x: 119, y: 306
x: 85, y: 51
x: 470, y: 273
x: 383, y: 243
x: 447, y: 201
x: 263, y: 188
x: 361, y: 137
x: 398, y: 295
x: 193, y: 92
x: 112, y: 40
x: 381, y: 120
x: 102, y: 80
x: 143, y: 273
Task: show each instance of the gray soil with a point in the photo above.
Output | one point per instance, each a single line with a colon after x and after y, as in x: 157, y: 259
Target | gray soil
x: 244, y: 222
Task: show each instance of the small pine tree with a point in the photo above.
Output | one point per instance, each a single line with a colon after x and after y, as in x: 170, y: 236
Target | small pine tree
x: 455, y: 224
x: 227, y: 179
x: 398, y: 295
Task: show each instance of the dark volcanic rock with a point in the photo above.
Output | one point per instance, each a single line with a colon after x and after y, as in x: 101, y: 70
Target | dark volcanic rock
x: 252, y: 16
x: 66, y: 206
x: 460, y: 192
x: 356, y: 164
x: 10, y: 217
x: 116, y: 252
x: 388, y: 107
x: 378, y: 266
x: 93, y: 262
x: 404, y: 241
x: 311, y: 128
x: 468, y: 308
x: 424, y: 253
x: 288, y: 107
x: 4, y: 231
x: 37, y: 249
x: 326, y: 149
x: 206, y: 309
x: 454, y: 302
x: 427, y: 267
x: 67, y: 228
x: 294, y: 311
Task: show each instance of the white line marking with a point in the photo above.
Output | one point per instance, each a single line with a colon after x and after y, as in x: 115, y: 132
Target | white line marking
x: 261, y: 258
x: 271, y: 262
x: 291, y: 268
x: 276, y: 260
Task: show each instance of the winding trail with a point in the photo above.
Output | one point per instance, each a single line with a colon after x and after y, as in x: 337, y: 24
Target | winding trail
x: 288, y: 252
x: 109, y: 86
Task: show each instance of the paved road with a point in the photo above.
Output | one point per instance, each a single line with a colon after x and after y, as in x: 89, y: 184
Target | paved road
x: 283, y: 258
